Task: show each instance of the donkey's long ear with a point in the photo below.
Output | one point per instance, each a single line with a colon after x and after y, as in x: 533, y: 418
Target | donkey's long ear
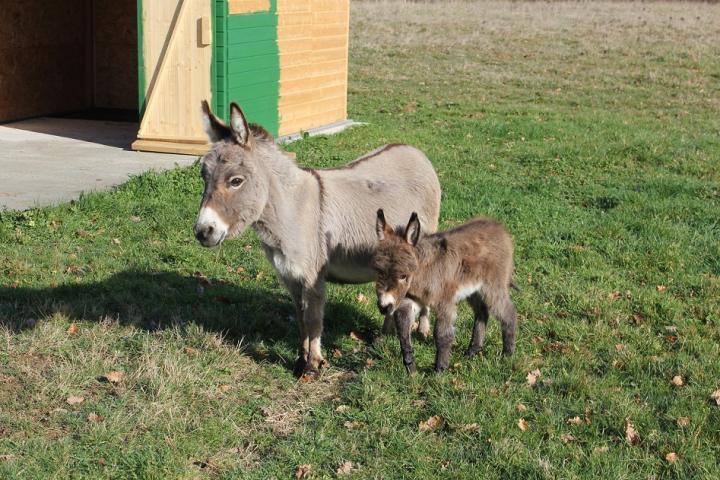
x: 412, y: 231
x: 239, y: 124
x: 381, y: 227
x: 214, y: 127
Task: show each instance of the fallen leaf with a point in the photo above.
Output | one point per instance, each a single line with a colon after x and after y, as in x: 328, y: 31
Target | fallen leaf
x: 75, y: 400
x: 671, y: 328
x: 660, y: 288
x: 522, y: 424
x: 224, y: 388
x: 521, y: 407
x: 101, y: 461
x: 303, y: 471
x: 202, y: 279
x: 342, y: 408
x: 6, y: 457
x: 135, y: 219
x: 72, y: 329
x: 248, y: 248
x: 602, y: 449
x: 419, y: 403
x: 361, y: 298
x: 677, y: 380
x: 470, y: 427
x: 631, y: 435
x: 574, y: 421
x: 672, y: 457
x: 190, y: 351
x: 620, y: 347
x: 337, y: 353
x: 352, y: 425
x: 356, y: 336
x: 433, y: 423
x: 344, y: 469
x: 716, y: 396
x: 614, y: 295
x: 457, y: 384
x: 567, y: 438
x: 260, y: 275
x: 240, y: 270
x: 94, y: 417
x: 114, y: 376
x: 116, y: 241
x: 683, y: 421
x: 369, y: 362
x: 533, y: 376
x: 588, y: 415
x: 638, y: 318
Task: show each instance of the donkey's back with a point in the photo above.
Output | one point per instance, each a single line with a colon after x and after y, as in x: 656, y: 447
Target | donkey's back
x: 397, y: 178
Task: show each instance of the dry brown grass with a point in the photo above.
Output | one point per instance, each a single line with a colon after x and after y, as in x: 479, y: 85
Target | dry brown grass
x: 485, y: 24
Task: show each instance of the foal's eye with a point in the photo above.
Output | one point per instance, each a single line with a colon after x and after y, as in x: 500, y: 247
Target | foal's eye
x: 235, y: 182
x: 403, y: 278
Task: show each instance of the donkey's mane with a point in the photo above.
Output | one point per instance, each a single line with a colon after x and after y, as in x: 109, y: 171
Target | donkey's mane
x: 260, y: 133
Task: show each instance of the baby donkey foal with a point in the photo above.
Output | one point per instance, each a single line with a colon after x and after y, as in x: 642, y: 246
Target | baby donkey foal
x: 472, y: 261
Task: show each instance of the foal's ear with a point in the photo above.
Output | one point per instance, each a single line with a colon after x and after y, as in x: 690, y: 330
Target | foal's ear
x: 381, y: 227
x: 239, y: 124
x: 412, y: 231
x: 214, y: 127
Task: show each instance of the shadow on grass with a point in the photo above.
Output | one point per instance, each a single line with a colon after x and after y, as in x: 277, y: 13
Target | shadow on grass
x: 259, y: 318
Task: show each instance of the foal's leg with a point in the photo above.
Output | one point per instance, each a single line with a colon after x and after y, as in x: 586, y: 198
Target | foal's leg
x: 481, y: 317
x: 505, y: 311
x: 404, y: 317
x: 314, y: 301
x: 388, y: 327
x: 444, y: 335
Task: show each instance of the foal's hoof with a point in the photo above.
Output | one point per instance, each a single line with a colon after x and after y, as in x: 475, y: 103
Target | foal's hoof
x: 299, y: 367
x: 471, y: 352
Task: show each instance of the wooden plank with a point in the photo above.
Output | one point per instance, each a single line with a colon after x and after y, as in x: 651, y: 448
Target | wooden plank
x: 307, y: 71
x: 171, y: 147
x: 236, y: 7
x: 287, y: 6
x: 310, y: 95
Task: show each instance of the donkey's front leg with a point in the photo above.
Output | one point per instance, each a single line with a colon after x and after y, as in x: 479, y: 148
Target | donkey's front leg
x: 314, y: 301
x: 444, y: 335
x: 404, y: 317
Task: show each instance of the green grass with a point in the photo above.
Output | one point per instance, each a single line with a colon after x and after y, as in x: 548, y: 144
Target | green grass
x: 591, y: 130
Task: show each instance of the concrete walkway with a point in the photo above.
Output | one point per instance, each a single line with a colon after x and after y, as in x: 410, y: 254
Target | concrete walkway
x: 45, y: 161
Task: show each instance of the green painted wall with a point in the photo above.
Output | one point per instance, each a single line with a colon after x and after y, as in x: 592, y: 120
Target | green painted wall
x: 246, y: 64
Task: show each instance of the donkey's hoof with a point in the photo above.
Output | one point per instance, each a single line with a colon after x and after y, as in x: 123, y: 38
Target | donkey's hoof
x: 440, y: 369
x: 411, y: 369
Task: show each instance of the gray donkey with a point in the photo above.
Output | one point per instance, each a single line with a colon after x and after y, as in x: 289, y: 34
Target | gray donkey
x: 313, y: 224
x: 473, y: 261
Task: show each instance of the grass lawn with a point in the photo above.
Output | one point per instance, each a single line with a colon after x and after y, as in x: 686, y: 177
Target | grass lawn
x: 591, y: 129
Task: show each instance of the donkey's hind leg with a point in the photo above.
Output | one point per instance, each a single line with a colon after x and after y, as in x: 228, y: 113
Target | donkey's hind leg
x: 480, y: 310
x: 424, y: 322
x: 504, y: 310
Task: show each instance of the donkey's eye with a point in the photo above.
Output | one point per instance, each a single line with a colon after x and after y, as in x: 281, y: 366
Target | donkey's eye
x: 235, y: 182
x: 403, y: 278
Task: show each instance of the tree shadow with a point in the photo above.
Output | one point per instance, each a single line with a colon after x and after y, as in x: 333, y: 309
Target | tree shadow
x: 259, y: 318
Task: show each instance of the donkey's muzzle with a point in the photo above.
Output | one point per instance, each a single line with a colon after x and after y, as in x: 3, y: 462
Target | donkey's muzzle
x: 384, y: 309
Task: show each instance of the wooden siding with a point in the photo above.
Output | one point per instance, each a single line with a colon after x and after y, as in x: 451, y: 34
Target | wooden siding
x: 313, y: 47
x: 248, y: 6
x: 252, y: 69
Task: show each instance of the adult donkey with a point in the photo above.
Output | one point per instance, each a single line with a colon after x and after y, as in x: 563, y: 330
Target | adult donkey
x: 314, y: 225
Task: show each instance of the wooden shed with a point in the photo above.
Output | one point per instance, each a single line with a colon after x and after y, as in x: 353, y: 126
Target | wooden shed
x: 284, y: 61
